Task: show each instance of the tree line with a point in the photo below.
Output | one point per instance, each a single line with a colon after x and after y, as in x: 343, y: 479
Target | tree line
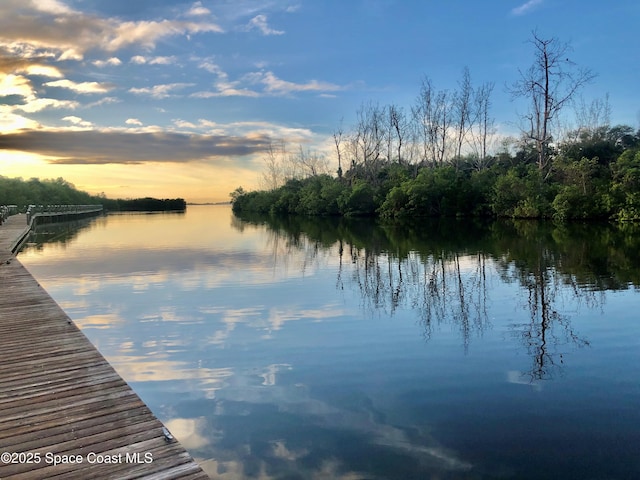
x: 440, y: 157
x: 16, y: 191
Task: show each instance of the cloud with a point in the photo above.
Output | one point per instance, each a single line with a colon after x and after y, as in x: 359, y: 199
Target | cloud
x: 278, y: 86
x: 11, y: 122
x: 197, y: 10
x: 83, y: 87
x: 271, y: 84
x: 77, y: 121
x: 160, y: 91
x: 112, y: 62
x: 133, y: 121
x: 147, y: 33
x: 94, y: 147
x: 249, y: 129
x: 223, y: 86
x: 16, y: 85
x: 103, y: 101
x: 52, y: 6
x: 10, y: 64
x: 212, y: 68
x: 138, y: 60
x: 526, y: 7
x: 49, y: 27
x: 43, y: 70
x: 20, y: 88
x: 162, y: 60
x: 259, y: 22
x: 227, y: 91
x: 39, y: 104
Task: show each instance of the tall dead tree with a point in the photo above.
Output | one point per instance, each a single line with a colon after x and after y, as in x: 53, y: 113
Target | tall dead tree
x: 482, y: 125
x: 548, y: 84
x: 337, y: 140
x: 397, y: 131
x: 367, y: 140
x: 462, y: 106
x: 432, y: 114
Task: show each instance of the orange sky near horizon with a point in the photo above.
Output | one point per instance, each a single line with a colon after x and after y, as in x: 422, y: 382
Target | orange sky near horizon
x: 195, y: 182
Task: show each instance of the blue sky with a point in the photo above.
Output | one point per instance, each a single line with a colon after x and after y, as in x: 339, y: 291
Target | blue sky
x: 172, y: 98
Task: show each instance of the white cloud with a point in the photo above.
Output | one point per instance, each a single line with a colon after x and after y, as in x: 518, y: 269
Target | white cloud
x: 138, y: 59
x: 271, y: 85
x: 223, y: 87
x: 160, y: 91
x: 15, y: 85
x: 111, y: 62
x: 226, y: 91
x: 39, y: 104
x: 82, y: 87
x: 183, y: 124
x: 103, y: 101
x: 43, y: 70
x: 52, y: 6
x: 69, y: 34
x: 11, y: 122
x: 133, y: 121
x: 526, y: 7
x: 197, y: 10
x: 260, y: 22
x: 77, y: 121
x: 277, y: 86
x: 212, y: 68
x: 147, y: 33
x: 162, y: 60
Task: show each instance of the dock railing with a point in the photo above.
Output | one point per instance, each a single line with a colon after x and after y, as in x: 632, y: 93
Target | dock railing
x: 6, y: 211
x: 34, y: 211
x: 41, y: 214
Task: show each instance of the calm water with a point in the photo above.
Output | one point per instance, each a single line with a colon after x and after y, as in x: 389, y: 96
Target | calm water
x: 313, y: 349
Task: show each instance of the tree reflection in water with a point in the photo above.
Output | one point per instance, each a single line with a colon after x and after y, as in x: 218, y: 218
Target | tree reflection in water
x: 440, y: 270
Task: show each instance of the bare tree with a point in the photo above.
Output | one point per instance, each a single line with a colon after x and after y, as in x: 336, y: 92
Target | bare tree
x: 282, y: 166
x: 432, y: 114
x: 462, y: 109
x: 337, y: 140
x: 308, y: 163
x: 482, y: 126
x: 397, y: 130
x: 443, y: 121
x: 593, y: 119
x: 549, y: 84
x: 367, y: 140
x: 274, y: 174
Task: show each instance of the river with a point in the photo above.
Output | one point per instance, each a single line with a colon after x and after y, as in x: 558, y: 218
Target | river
x: 324, y: 348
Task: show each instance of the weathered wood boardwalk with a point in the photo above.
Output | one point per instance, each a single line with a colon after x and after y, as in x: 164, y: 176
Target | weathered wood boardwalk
x: 59, y: 396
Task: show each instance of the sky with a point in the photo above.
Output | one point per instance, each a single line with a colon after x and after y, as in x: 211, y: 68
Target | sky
x: 166, y: 98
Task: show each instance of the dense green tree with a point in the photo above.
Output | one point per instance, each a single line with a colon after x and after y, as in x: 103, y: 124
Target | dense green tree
x: 625, y: 187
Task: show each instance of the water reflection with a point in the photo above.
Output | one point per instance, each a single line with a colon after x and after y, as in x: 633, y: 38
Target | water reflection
x: 62, y: 233
x: 440, y: 271
x: 323, y: 348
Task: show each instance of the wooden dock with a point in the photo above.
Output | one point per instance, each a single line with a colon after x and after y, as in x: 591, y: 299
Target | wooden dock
x: 59, y: 396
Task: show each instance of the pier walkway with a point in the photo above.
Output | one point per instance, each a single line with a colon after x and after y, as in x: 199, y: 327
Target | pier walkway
x: 60, y: 400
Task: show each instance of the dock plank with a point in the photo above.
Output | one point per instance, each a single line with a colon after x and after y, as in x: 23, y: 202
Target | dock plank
x: 58, y: 394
